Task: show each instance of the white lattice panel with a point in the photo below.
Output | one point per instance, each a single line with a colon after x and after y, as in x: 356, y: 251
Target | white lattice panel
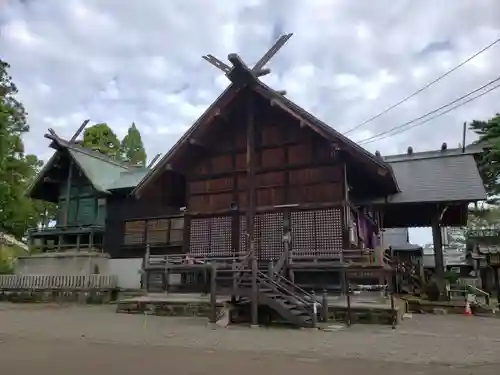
x: 302, y: 229
x: 220, y: 239
x: 199, y: 238
x: 329, y: 232
x: 269, y: 233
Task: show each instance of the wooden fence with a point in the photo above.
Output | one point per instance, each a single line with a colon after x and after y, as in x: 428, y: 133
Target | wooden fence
x: 31, y: 288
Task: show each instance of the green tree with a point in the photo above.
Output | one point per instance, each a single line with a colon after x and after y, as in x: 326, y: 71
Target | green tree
x: 489, y: 161
x: 101, y: 138
x: 14, y: 170
x: 132, y: 147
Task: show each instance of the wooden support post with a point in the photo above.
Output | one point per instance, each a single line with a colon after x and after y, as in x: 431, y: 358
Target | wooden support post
x: 315, y: 309
x: 270, y: 269
x: 213, y: 293
x: 250, y: 214
x: 496, y: 276
x: 91, y: 239
x: 68, y: 191
x: 348, y: 298
x: 437, y: 241
x: 78, y: 238
x: 324, y: 304
x: 393, y: 308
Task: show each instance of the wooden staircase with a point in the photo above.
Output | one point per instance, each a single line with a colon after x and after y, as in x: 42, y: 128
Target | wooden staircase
x: 234, y: 277
x: 291, y: 302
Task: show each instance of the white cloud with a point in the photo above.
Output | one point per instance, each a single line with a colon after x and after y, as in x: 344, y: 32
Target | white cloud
x: 122, y: 61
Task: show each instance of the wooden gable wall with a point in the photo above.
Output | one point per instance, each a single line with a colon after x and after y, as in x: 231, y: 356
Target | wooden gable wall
x: 293, y: 165
x: 299, y: 185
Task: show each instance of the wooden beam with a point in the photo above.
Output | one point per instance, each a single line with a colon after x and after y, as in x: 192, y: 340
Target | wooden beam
x: 262, y: 72
x: 151, y: 163
x: 68, y: 192
x: 78, y: 131
x: 195, y: 142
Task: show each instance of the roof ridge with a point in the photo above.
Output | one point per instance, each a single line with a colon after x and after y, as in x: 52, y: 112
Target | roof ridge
x: 95, y: 154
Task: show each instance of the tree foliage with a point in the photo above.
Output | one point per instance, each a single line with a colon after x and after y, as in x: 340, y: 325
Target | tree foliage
x: 102, y: 138
x: 17, y: 170
x: 132, y: 147
x: 489, y: 162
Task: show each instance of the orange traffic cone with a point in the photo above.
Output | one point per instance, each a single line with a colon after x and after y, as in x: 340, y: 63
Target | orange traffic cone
x: 468, y: 311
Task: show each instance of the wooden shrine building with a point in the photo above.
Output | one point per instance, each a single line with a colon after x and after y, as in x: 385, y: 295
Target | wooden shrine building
x: 262, y: 183
x: 80, y: 182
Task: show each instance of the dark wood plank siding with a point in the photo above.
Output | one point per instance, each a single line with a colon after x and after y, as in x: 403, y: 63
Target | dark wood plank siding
x: 161, y: 201
x: 294, y: 165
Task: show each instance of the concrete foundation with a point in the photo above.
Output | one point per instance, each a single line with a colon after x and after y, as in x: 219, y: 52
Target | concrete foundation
x: 65, y: 263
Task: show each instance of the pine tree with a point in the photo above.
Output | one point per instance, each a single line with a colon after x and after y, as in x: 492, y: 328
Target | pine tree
x: 101, y: 138
x: 132, y: 147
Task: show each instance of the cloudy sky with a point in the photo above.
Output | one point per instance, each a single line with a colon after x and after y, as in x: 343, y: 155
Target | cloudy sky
x: 120, y: 61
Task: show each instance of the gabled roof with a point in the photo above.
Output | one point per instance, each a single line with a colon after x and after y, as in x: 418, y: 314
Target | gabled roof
x: 129, y: 179
x: 99, y: 169
x: 436, y: 176
x: 288, y: 106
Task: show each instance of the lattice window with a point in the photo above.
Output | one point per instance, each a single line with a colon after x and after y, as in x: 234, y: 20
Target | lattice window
x: 211, y: 236
x: 317, y: 233
x: 302, y: 230
x: 269, y: 235
x: 158, y: 231
x: 176, y: 230
x: 243, y: 234
x: 134, y: 232
x: 329, y: 232
x: 220, y: 239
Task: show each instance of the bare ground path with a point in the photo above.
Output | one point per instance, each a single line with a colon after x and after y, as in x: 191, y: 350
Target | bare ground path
x: 76, y: 340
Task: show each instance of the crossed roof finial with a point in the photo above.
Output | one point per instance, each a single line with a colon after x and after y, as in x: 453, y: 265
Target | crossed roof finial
x: 240, y: 73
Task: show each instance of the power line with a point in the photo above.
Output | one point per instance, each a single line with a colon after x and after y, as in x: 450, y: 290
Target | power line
x: 433, y: 117
x: 423, y: 88
x: 429, y: 113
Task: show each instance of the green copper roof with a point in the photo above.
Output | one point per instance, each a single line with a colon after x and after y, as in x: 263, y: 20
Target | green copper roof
x: 129, y: 179
x: 100, y: 173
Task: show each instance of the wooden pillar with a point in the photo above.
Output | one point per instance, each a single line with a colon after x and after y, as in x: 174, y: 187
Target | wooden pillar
x: 437, y: 242
x: 496, y: 270
x: 91, y: 239
x: 250, y: 214
x: 68, y: 192
x: 213, y: 293
x: 78, y: 238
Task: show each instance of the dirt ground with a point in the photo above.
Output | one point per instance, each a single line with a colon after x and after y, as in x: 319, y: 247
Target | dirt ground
x: 75, y: 340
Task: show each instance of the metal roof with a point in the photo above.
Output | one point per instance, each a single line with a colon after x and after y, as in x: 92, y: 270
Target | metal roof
x: 436, y: 176
x: 100, y: 173
x: 129, y: 179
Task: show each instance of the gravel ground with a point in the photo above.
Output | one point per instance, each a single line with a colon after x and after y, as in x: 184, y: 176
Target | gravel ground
x: 45, y: 339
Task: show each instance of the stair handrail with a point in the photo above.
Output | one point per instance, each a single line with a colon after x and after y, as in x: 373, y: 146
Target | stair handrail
x: 280, y: 263
x: 283, y: 289
x: 476, y: 291
x: 296, y: 287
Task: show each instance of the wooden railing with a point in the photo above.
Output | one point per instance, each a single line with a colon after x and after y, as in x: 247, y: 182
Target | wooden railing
x: 367, y: 257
